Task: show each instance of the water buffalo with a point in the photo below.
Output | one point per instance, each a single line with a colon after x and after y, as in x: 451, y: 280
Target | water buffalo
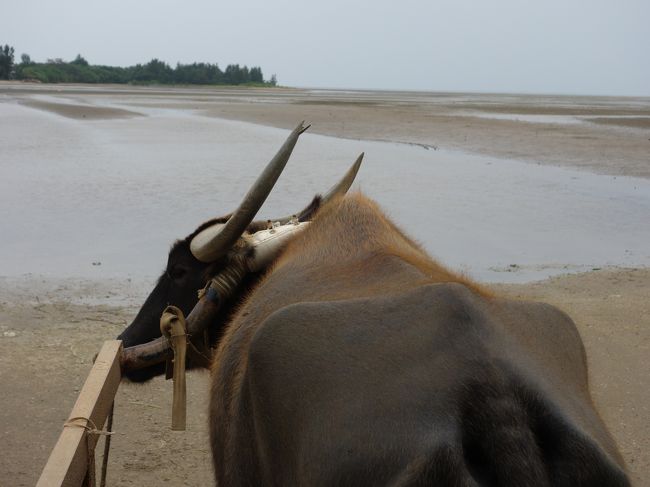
x: 345, y: 355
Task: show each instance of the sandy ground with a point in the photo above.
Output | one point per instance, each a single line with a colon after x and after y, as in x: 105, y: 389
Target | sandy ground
x: 47, y: 342
x: 49, y: 329
x: 46, y: 348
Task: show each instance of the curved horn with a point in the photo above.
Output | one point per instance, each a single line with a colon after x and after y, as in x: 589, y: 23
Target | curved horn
x: 344, y: 184
x: 212, y: 243
x: 339, y: 189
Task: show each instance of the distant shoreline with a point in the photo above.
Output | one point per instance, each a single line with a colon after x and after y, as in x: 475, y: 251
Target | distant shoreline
x: 316, y: 89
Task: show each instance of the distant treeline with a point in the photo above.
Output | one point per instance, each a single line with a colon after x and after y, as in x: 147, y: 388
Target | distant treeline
x: 155, y: 71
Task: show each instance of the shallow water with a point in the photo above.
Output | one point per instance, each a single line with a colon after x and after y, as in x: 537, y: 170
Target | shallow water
x: 516, y: 117
x: 107, y: 198
x: 551, y: 119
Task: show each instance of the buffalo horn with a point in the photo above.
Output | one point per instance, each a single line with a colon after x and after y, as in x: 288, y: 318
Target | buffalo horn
x: 215, y: 241
x: 339, y: 189
x: 159, y: 349
x: 145, y: 354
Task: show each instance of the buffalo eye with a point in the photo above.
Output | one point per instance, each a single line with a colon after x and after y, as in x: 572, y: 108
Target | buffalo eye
x: 177, y: 273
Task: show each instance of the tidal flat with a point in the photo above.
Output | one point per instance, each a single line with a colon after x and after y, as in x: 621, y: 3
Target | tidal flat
x: 538, y: 196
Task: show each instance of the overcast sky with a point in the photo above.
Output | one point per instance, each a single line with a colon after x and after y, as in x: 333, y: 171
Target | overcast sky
x: 541, y: 46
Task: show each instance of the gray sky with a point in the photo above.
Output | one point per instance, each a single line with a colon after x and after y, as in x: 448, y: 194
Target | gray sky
x: 542, y: 46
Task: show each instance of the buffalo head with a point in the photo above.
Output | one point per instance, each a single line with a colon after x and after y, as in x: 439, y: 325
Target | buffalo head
x: 213, y: 249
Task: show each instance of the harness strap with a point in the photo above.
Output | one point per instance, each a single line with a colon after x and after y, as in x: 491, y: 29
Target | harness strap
x: 174, y: 328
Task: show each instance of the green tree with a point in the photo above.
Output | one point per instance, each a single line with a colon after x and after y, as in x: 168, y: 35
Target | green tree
x: 256, y: 75
x: 56, y: 70
x: 245, y: 75
x: 197, y: 73
x: 154, y: 71
x: 79, y: 61
x: 233, y: 74
x: 6, y: 62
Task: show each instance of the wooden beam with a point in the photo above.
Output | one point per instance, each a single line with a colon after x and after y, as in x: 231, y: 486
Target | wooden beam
x: 68, y: 461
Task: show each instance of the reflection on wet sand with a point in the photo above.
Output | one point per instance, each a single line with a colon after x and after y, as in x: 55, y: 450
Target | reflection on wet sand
x: 130, y: 186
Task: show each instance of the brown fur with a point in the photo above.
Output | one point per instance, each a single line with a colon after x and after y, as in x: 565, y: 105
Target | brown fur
x: 352, y: 315
x: 340, y: 258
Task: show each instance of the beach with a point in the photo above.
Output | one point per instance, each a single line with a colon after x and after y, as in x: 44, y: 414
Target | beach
x: 538, y: 197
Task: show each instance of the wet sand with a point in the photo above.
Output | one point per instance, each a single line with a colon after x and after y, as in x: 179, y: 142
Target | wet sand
x: 640, y: 122
x: 603, y: 147
x: 50, y: 327
x: 76, y: 111
x: 135, y: 184
x: 611, y: 136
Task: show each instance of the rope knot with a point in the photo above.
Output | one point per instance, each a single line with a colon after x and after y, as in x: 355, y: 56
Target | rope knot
x: 90, y: 426
x: 92, y: 429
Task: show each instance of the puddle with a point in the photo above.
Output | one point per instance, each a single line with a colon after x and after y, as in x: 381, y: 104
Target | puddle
x: 516, y: 117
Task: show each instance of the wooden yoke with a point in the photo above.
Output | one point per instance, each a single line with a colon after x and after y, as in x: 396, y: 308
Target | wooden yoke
x: 72, y: 459
x: 173, y: 327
